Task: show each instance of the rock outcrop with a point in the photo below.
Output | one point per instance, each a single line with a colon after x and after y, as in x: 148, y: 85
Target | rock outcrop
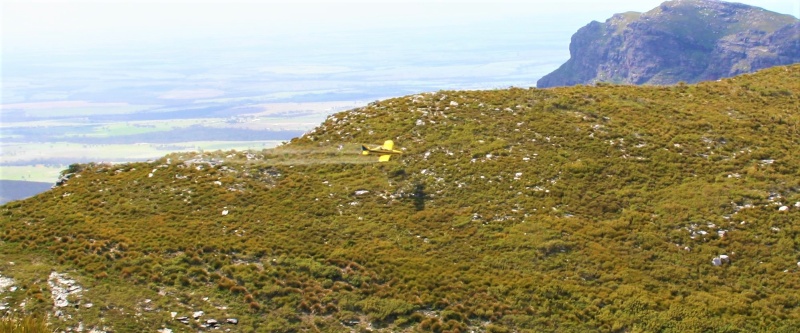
x: 681, y: 40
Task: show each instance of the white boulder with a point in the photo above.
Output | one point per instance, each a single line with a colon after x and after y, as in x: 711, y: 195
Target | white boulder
x: 721, y: 259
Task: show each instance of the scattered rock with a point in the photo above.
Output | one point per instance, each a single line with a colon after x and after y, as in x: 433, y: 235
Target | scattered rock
x: 197, y: 314
x: 61, y: 287
x: 224, y: 212
x: 62, y: 180
x: 352, y: 322
x: 5, y: 283
x: 235, y: 321
x: 783, y: 208
x: 720, y: 260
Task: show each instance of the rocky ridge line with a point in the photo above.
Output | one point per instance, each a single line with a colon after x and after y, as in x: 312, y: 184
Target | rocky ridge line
x: 681, y: 40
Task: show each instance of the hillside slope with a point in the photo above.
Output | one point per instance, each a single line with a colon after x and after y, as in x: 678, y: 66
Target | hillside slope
x: 577, y: 209
x: 681, y: 40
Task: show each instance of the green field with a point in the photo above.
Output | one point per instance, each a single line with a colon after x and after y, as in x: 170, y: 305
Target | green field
x: 130, y: 128
x: 32, y: 173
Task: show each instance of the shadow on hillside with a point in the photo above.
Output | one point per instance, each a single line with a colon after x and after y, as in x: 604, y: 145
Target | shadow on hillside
x: 419, y: 197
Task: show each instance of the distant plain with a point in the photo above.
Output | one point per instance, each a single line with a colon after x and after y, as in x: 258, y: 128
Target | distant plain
x: 137, y: 103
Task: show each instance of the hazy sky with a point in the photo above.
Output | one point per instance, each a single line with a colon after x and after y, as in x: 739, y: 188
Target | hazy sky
x: 34, y: 25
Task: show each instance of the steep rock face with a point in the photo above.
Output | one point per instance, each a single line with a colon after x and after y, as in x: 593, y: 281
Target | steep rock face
x: 681, y: 40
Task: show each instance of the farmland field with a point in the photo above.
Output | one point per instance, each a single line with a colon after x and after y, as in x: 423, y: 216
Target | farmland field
x: 38, y: 149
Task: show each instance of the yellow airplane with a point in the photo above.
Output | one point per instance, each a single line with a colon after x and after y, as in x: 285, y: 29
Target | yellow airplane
x: 386, y: 151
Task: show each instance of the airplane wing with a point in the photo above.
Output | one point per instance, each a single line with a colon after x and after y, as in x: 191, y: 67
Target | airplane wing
x: 386, y: 151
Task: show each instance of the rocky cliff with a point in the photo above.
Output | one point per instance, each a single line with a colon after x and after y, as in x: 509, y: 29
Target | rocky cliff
x: 681, y: 40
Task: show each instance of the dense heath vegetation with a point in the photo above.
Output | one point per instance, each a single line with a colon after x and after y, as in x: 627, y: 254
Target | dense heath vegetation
x: 588, y: 208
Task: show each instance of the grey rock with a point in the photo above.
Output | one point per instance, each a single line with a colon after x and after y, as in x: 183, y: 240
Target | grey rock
x: 720, y: 260
x: 352, y: 322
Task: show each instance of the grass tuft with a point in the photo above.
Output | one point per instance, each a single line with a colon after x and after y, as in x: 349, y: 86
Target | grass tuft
x: 25, y: 324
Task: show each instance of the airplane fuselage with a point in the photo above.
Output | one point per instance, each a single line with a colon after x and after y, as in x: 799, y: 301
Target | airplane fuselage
x: 386, y: 151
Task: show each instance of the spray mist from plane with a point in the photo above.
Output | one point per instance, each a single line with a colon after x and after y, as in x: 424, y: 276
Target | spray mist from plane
x: 348, y: 153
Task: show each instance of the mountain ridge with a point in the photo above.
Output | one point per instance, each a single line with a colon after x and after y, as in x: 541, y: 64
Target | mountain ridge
x: 681, y: 40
